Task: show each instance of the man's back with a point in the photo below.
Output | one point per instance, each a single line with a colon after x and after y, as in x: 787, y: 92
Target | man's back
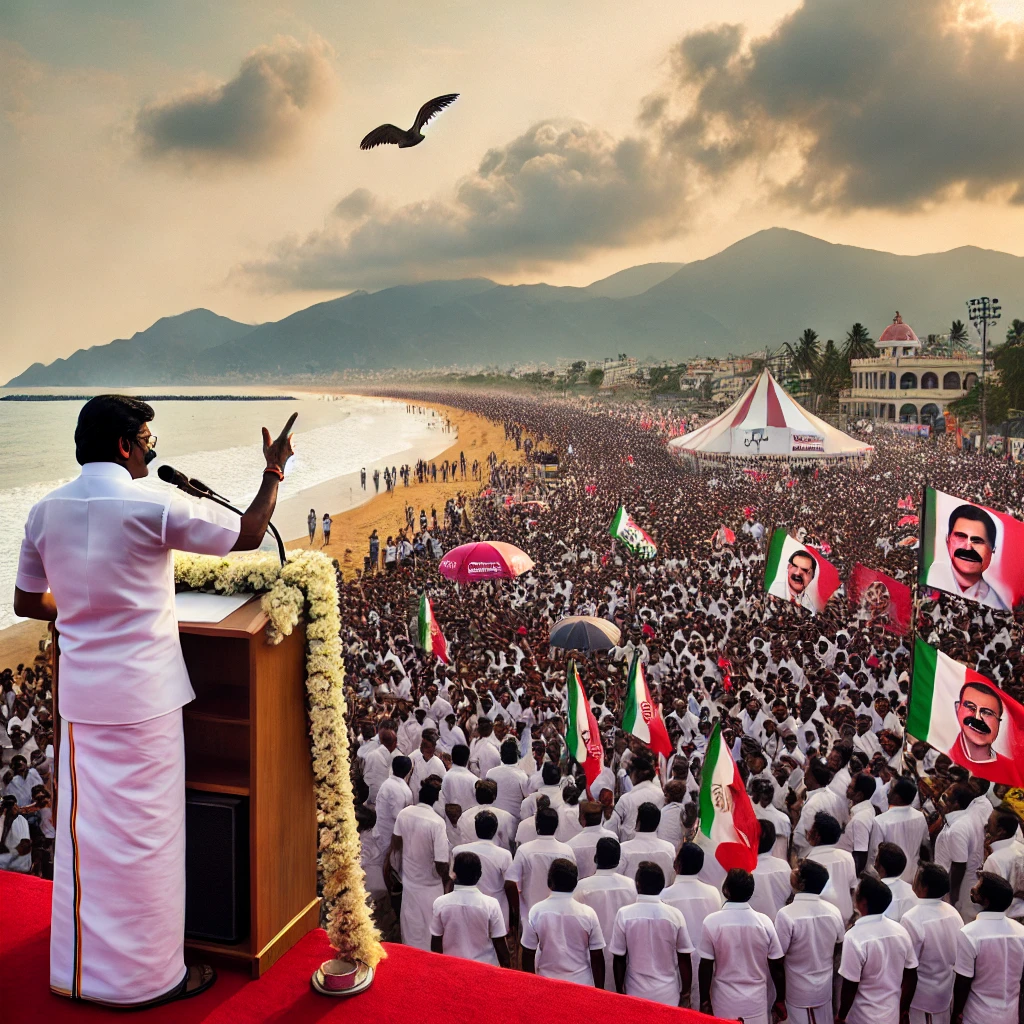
x: 103, y: 545
x: 741, y: 942
x: 606, y: 892
x: 424, y: 844
x: 771, y: 885
x: 563, y: 932
x: 468, y: 920
x: 876, y: 952
x: 584, y: 844
x: 991, y: 951
x: 934, y: 930
x: 809, y: 929
x: 511, y: 782
x: 907, y: 828
x: 530, y: 868
x: 842, y: 877
x: 647, y: 846
x: 651, y: 935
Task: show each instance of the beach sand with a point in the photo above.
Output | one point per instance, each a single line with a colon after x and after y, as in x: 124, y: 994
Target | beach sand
x: 351, y: 528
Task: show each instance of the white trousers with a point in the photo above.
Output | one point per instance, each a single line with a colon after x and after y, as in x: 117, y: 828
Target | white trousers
x: 118, y: 920
x: 810, y: 1015
x: 417, y: 912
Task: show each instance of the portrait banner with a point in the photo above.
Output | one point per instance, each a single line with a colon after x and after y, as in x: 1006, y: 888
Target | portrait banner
x: 971, y: 551
x: 961, y: 713
x: 879, y: 599
x: 799, y: 574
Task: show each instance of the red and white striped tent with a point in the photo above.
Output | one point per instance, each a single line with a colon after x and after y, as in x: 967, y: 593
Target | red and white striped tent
x: 765, y: 421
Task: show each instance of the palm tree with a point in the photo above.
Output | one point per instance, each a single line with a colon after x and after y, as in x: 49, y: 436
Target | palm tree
x: 804, y: 355
x: 958, y: 337
x: 830, y: 374
x: 1015, y: 333
x: 859, y: 344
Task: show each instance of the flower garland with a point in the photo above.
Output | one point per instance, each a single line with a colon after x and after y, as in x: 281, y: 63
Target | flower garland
x: 307, y: 583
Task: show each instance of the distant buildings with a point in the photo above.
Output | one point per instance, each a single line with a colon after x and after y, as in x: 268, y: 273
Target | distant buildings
x: 904, y: 385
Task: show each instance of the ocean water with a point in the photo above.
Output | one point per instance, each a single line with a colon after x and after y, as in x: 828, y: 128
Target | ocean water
x: 218, y: 442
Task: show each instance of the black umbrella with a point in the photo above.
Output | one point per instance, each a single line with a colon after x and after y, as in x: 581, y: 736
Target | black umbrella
x: 584, y: 633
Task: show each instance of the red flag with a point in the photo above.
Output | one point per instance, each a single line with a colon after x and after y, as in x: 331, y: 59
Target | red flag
x: 908, y: 521
x: 885, y: 601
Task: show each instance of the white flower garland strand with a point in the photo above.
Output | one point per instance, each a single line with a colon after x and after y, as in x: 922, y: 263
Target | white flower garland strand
x: 307, y: 581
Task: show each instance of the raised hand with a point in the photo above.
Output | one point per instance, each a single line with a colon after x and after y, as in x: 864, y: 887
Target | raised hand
x: 279, y: 451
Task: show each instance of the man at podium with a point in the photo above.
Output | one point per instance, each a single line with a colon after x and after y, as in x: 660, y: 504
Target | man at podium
x: 97, y: 558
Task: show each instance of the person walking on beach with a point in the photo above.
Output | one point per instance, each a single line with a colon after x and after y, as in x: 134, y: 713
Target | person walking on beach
x: 374, y: 551
x: 311, y: 523
x: 376, y: 481
x: 327, y: 529
x: 362, y: 478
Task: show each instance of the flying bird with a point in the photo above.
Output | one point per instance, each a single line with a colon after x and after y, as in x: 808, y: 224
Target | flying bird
x: 389, y: 135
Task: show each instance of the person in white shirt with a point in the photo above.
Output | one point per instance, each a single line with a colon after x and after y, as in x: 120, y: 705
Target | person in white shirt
x: 530, y: 864
x: 421, y: 843
x: 495, y: 861
x: 486, y: 792
x: 449, y: 735
x: 646, y: 846
x: 890, y: 863
x: 645, y: 789
x: 671, y: 827
x: 425, y: 762
x: 856, y: 837
x: 97, y: 558
x: 562, y: 937
x: 934, y: 930
x: 739, y: 953
x: 410, y: 728
x: 459, y: 784
x: 23, y: 780
x: 466, y: 922
x: 606, y: 892
x: 15, y: 842
x: 393, y: 796
x: 819, y: 798
x: 960, y: 847
x: 584, y: 843
x: 377, y: 765
x: 772, y: 884
x: 810, y: 934
x: 878, y: 966
x: 694, y: 899
x: 484, y: 749
x: 510, y: 779
x: 761, y: 795
x: 651, y: 945
x: 1007, y: 854
x: 551, y: 776
x: 824, y: 836
x: 989, y: 957
x: 903, y: 825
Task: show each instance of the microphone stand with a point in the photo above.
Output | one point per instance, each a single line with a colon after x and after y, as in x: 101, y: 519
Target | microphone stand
x: 273, y: 529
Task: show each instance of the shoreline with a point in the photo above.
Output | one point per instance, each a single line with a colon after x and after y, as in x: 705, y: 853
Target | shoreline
x: 352, y: 522
x: 385, y: 513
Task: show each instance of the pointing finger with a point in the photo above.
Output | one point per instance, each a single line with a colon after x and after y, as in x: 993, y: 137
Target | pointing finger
x: 288, y: 425
x: 266, y: 438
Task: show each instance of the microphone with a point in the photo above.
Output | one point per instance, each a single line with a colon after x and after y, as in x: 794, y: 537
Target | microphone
x: 176, y: 478
x: 198, y: 489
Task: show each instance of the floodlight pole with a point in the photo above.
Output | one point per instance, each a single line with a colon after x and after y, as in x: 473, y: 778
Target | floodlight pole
x: 984, y: 312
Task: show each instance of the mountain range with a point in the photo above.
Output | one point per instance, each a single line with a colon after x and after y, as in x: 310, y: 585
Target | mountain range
x: 763, y: 290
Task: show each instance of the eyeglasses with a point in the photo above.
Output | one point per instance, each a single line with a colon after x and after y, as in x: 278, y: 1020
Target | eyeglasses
x: 986, y: 714
x: 147, y: 442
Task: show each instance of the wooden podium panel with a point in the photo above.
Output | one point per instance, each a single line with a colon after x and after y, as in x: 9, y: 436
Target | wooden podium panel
x: 247, y: 734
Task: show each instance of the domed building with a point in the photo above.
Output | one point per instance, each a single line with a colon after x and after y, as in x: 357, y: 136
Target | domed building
x: 903, y: 384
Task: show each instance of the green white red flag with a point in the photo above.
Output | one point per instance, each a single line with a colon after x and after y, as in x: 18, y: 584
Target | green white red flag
x: 581, y: 734
x: 627, y: 532
x: 641, y: 718
x: 726, y: 814
x: 961, y: 713
x: 798, y: 573
x: 431, y: 638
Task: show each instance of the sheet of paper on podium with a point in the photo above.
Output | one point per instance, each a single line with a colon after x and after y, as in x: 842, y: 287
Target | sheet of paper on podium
x: 194, y: 606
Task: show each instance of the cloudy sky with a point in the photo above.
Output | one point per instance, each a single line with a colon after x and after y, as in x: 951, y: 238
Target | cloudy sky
x: 159, y: 155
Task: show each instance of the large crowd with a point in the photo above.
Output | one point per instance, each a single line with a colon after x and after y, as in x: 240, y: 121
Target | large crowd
x: 482, y: 839
x: 889, y: 883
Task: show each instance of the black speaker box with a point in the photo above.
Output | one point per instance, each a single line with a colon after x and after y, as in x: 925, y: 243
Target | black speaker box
x: 216, y: 867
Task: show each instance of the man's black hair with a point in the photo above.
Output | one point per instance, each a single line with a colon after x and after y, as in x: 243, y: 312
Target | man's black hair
x: 650, y: 879
x: 805, y: 554
x: 767, y: 837
x: 105, y: 420
x: 975, y: 515
x: 875, y: 893
x: 934, y: 878
x: 460, y: 755
x: 486, y: 824
x: 607, y: 853
x: 812, y: 876
x: 689, y: 859
x: 467, y: 868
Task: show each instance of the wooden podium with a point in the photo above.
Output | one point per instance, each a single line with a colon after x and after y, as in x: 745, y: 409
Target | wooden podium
x: 247, y: 735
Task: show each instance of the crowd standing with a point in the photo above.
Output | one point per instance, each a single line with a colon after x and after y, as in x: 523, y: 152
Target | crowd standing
x: 482, y: 839
x: 889, y: 883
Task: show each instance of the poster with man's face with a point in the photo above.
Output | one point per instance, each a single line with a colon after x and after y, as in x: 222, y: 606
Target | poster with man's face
x: 971, y: 551
x: 879, y: 599
x: 799, y: 574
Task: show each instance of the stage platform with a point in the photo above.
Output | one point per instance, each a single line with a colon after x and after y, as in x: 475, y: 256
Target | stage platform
x: 411, y: 987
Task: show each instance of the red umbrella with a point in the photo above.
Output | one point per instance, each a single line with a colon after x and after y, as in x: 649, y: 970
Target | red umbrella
x: 485, y: 560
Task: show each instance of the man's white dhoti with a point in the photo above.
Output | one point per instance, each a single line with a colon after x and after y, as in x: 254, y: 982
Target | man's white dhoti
x: 810, y: 1015
x: 417, y: 913
x: 119, y: 876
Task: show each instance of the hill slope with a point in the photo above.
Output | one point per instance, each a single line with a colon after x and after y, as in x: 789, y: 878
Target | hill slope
x: 764, y: 290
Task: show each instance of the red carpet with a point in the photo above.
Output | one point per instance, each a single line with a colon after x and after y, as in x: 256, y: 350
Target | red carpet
x: 410, y: 986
